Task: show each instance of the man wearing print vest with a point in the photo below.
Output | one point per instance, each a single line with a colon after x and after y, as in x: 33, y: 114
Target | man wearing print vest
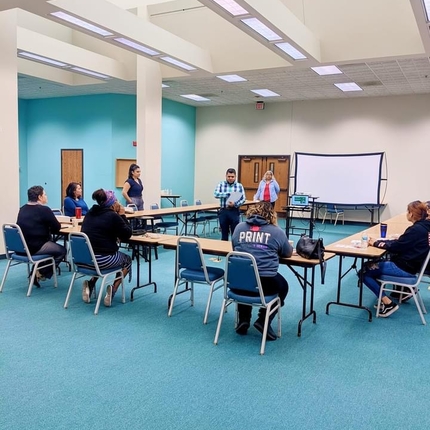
x: 232, y: 196
x: 260, y: 236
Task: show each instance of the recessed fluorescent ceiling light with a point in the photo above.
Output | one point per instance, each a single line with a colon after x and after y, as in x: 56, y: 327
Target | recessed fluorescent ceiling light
x: 427, y: 8
x: 81, y: 23
x: 261, y: 29
x: 326, y: 70
x: 90, y: 72
x: 349, y: 86
x: 232, y: 78
x: 178, y: 63
x: 164, y: 86
x: 265, y: 93
x: 291, y: 51
x: 196, y: 98
x: 43, y: 59
x: 231, y: 7
x: 136, y: 46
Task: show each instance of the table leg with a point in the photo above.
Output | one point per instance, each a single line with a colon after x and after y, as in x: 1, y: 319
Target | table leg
x: 304, y: 283
x: 360, y: 286
x: 149, y: 260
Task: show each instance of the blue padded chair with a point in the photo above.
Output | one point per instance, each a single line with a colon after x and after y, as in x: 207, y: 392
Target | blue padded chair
x: 159, y: 223
x: 408, y: 285
x: 209, y: 216
x: 191, y: 269
x: 85, y: 264
x: 17, y: 253
x: 332, y: 210
x: 196, y: 218
x: 241, y: 273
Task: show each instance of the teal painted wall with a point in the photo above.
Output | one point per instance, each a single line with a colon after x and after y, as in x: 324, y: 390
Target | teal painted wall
x: 178, y: 149
x: 104, y: 126
x: 22, y: 136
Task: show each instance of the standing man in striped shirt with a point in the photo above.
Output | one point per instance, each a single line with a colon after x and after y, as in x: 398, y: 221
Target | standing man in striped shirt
x: 232, y: 196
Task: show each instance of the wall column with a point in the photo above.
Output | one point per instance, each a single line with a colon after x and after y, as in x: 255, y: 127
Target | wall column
x: 148, y: 127
x: 9, y: 144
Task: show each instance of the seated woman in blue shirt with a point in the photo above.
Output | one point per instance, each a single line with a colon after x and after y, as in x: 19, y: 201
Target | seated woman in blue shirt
x: 74, y: 199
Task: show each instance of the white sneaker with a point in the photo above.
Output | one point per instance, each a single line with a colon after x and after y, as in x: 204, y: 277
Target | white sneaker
x: 86, y: 292
x: 108, y: 298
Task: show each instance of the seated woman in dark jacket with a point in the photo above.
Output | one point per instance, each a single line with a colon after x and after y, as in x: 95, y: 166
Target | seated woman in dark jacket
x: 407, y: 254
x: 104, y: 224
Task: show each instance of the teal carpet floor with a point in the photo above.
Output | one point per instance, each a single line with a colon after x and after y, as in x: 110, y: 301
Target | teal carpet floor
x: 132, y: 367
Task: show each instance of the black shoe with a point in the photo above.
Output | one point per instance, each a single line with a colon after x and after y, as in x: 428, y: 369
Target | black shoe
x: 271, y: 335
x: 242, y: 328
x: 386, y: 310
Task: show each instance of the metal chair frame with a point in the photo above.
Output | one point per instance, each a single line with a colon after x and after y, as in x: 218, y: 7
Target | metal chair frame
x: 241, y: 273
x: 332, y: 210
x: 191, y: 269
x: 408, y: 286
x: 85, y: 264
x: 17, y: 252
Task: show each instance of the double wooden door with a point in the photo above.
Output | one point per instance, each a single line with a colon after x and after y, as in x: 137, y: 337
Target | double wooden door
x: 252, y: 169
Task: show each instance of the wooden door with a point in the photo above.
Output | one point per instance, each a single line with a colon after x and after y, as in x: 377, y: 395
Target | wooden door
x: 251, y: 171
x: 72, y: 169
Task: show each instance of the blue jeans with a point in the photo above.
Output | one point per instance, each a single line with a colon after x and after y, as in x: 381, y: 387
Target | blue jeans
x: 374, y: 271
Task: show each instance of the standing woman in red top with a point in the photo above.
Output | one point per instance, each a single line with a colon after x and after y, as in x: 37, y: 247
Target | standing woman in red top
x: 268, y: 189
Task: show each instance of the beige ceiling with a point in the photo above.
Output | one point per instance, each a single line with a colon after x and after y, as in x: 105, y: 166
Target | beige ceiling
x: 382, y: 45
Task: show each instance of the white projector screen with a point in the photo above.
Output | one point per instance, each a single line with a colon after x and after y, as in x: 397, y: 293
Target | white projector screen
x: 353, y: 179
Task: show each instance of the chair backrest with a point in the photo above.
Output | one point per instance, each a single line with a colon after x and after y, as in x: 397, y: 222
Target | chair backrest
x: 198, y: 202
x: 133, y: 206
x: 184, y: 203
x: 154, y: 206
x: 331, y: 207
x: 57, y: 211
x: 190, y: 256
x: 14, y: 240
x: 241, y: 272
x: 82, y: 252
x: 423, y: 268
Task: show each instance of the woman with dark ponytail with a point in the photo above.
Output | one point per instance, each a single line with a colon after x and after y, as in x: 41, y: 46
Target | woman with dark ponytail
x: 133, y: 187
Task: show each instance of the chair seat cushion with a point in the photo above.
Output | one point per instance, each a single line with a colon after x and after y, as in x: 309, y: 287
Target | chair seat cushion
x: 249, y: 299
x: 24, y: 258
x: 92, y: 272
x: 214, y: 273
x: 399, y: 279
x: 166, y: 224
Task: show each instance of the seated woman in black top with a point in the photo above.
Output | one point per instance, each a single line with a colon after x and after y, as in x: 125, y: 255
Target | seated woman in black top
x: 38, y: 223
x: 407, y: 255
x: 104, y: 224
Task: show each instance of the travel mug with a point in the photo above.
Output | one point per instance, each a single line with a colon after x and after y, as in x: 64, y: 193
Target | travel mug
x: 383, y: 230
x: 78, y: 213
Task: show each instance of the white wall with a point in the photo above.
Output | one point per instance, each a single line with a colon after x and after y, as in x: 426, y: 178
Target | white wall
x: 398, y: 126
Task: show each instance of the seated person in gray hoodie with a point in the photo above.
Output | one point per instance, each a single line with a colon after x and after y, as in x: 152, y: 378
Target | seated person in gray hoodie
x: 266, y: 247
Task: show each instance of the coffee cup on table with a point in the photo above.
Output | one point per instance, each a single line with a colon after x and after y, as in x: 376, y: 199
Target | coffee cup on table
x: 383, y: 230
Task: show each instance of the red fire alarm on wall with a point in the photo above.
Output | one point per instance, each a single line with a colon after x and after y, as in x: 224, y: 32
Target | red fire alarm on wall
x: 259, y: 105
x: 134, y: 143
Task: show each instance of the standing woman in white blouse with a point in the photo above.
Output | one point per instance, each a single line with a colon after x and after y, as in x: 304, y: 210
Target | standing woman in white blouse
x: 268, y: 189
